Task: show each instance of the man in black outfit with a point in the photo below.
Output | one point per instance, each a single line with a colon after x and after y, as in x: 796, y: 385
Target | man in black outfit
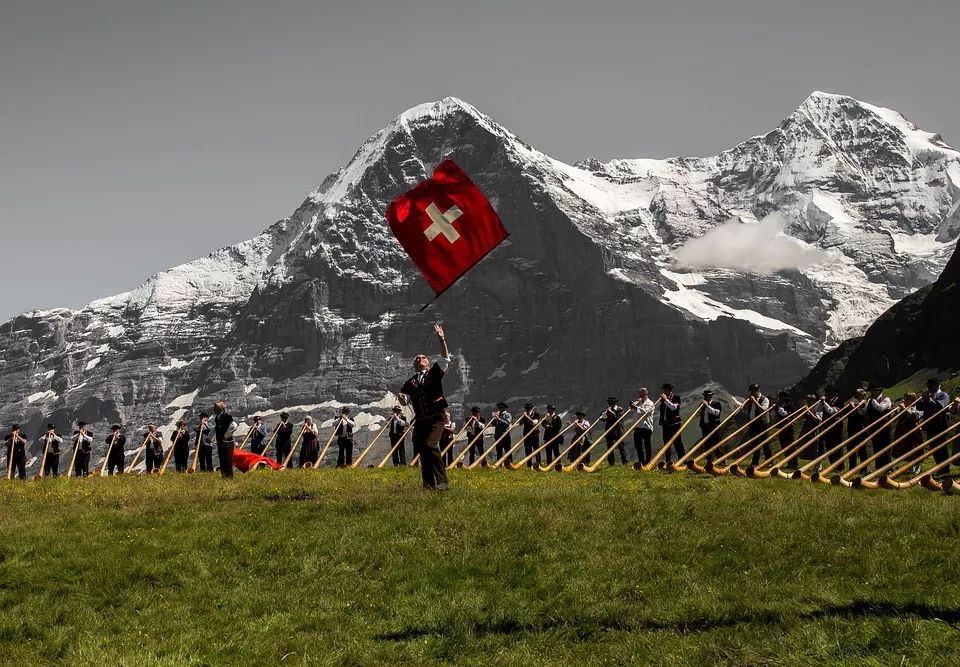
x: 116, y: 441
x: 203, y: 444
x: 552, y: 425
x: 181, y: 446
x: 709, y: 420
x: 531, y: 433
x: 16, y: 453
x: 502, y: 421
x: 398, y: 431
x: 284, y: 437
x: 258, y: 436
x: 670, y: 422
x: 424, y: 391
x: 345, y: 438
x: 223, y: 428
x: 613, y: 425
x: 82, y: 439
x: 51, y: 442
x: 475, y: 427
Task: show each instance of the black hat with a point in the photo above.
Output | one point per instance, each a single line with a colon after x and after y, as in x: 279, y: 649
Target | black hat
x: 754, y: 387
x: 49, y: 426
x: 284, y: 415
x: 475, y: 410
x: 397, y: 408
x: 611, y: 400
x: 204, y: 414
x: 14, y: 427
x: 501, y: 405
x: 551, y: 406
x: 257, y: 418
x: 783, y: 394
x: 876, y: 386
x: 79, y: 424
x: 580, y: 413
x: 831, y: 389
x: 708, y: 392
x: 667, y: 386
x: 933, y: 382
x: 115, y: 427
x: 528, y: 406
x: 344, y: 410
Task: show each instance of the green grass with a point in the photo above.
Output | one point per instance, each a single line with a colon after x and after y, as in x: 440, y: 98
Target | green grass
x: 361, y: 567
x: 917, y: 383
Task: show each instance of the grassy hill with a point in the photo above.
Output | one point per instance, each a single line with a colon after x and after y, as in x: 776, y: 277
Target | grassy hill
x: 361, y: 567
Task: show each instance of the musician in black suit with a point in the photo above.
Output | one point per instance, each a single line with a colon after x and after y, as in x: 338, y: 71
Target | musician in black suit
x: 345, y: 438
x: 398, y: 431
x: 284, y: 438
x: 16, y: 453
x: 223, y: 429
x: 709, y: 421
x: 613, y: 425
x: 116, y: 441
x: 670, y: 421
x: 180, y: 440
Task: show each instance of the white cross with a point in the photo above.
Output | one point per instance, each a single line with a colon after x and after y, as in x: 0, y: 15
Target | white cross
x: 442, y: 223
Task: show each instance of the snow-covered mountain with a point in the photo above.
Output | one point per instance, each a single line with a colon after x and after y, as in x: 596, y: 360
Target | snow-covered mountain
x: 583, y: 300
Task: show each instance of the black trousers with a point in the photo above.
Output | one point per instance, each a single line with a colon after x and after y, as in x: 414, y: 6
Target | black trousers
x: 642, y: 443
x: 426, y: 443
x: 399, y: 455
x: 448, y: 454
x: 153, y: 459
x: 81, y: 464
x: 476, y: 449
x: 585, y: 445
x: 259, y: 448
x: 880, y: 442
x: 830, y: 440
x: 19, y: 466
x: 753, y: 431
x: 503, y: 447
x: 709, y: 436
x: 225, y: 455
x: 612, y: 438
x: 283, y: 451
x: 934, y: 437
x: 529, y: 446
x: 206, y: 458
x: 115, y: 462
x: 180, y: 457
x: 52, y: 466
x: 345, y: 453
x: 552, y: 450
x: 670, y: 430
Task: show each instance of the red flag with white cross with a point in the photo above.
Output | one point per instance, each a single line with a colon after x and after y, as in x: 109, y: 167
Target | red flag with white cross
x: 446, y: 225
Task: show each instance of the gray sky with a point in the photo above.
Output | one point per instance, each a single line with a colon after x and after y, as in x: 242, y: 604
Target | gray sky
x: 135, y: 135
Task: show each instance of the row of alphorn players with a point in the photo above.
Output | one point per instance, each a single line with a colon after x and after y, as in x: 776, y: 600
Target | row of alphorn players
x: 816, y: 426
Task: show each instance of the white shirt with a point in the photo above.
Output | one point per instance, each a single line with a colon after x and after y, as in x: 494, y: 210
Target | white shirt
x: 647, y: 423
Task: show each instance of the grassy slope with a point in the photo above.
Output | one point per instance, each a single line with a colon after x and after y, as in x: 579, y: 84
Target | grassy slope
x: 360, y: 567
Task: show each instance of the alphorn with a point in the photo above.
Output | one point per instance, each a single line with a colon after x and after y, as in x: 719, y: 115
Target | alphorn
x: 926, y: 477
x: 273, y: 436
x: 458, y: 461
x: 136, y: 454
x: 680, y: 464
x: 106, y: 459
x: 403, y: 437
x: 73, y: 457
x: 43, y: 459
x: 196, y: 452
x: 787, y: 422
x: 557, y: 463
x: 748, y: 443
x: 845, y: 479
x: 166, y: 459
x: 296, y: 443
x: 619, y: 442
x: 10, y: 454
x: 509, y: 452
x: 872, y: 480
x: 773, y: 467
x: 694, y: 465
x: 323, y: 453
x: 363, y: 454
x: 529, y: 457
x: 246, y: 438
x: 483, y: 458
x: 577, y: 464
x: 863, y: 436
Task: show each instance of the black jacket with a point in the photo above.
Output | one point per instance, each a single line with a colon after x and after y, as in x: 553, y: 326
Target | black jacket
x: 426, y: 397
x: 284, y: 434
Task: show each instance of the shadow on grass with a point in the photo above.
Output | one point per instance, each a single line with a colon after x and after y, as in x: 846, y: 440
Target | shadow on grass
x: 586, y: 628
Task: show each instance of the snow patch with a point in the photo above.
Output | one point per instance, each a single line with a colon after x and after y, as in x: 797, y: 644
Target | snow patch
x: 93, y: 363
x: 184, y: 400
x: 174, y: 364
x: 247, y: 388
x: 42, y: 396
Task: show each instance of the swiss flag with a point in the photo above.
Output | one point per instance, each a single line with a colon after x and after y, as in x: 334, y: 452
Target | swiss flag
x: 244, y: 460
x: 446, y: 225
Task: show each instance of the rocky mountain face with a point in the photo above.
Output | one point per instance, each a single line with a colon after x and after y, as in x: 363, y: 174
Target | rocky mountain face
x: 915, y: 335
x: 583, y: 300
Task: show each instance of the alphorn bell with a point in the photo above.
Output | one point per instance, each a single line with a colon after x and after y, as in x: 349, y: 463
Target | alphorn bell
x: 136, y: 454
x: 166, y: 459
x: 509, y: 452
x: 529, y: 457
x: 106, y: 459
x: 43, y: 459
x: 482, y: 461
x: 926, y: 477
x: 652, y: 463
x: 779, y: 427
x: 458, y: 460
x: 872, y: 480
x: 402, y: 439
x: 680, y: 464
x: 577, y: 463
x: 694, y: 464
x: 296, y: 443
x: 323, y: 452
x: 363, y: 454
x: 774, y: 466
x: 748, y: 442
x: 619, y: 441
x: 557, y: 464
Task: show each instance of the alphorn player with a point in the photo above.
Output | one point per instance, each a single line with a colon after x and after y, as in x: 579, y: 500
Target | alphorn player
x: 475, y: 428
x: 258, y: 438
x: 201, y: 440
x: 613, y: 425
x: 855, y: 424
x: 876, y: 408
x: 398, y: 434
x: 16, y: 452
x: 581, y: 430
x: 309, y: 444
x: 82, y: 441
x: 51, y: 467
x: 284, y: 437
x: 223, y: 429
x: 424, y: 391
x: 531, y: 432
x: 502, y: 420
x: 709, y: 421
x: 643, y: 434
x: 345, y: 438
x: 933, y: 400
x: 153, y: 448
x: 905, y: 430
x: 670, y: 421
x: 181, y: 446
x: 446, y: 439
x: 830, y: 406
x: 811, y: 421
x: 755, y: 405
x: 115, y: 442
x: 552, y: 425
